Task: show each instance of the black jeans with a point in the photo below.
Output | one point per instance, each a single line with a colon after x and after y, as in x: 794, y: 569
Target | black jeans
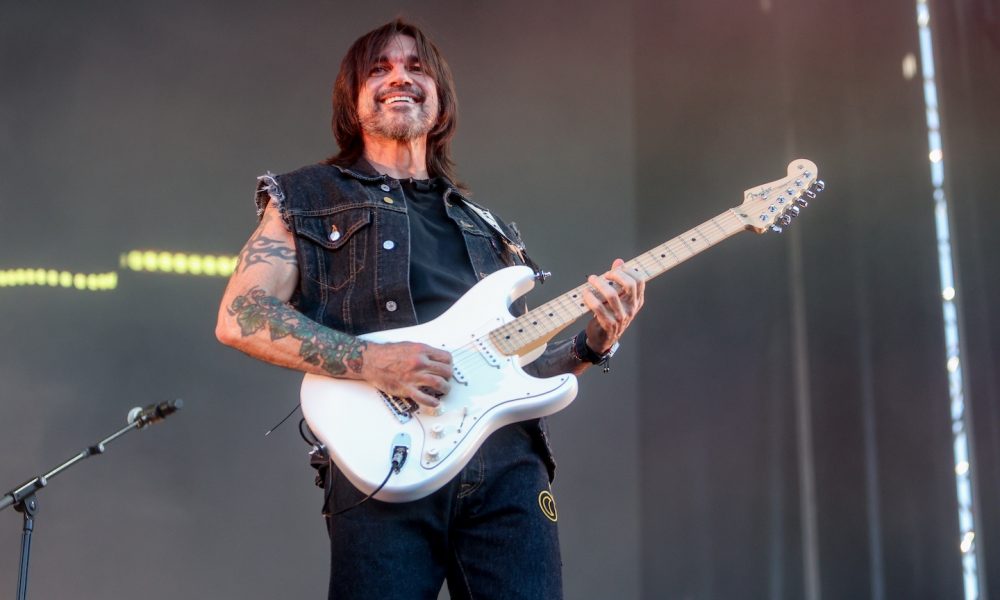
x: 491, y: 533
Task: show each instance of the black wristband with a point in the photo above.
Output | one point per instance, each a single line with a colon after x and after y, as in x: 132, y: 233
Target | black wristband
x: 583, y: 352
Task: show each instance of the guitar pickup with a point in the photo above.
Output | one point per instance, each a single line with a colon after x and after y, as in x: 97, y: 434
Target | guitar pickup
x: 486, y: 351
x: 458, y: 375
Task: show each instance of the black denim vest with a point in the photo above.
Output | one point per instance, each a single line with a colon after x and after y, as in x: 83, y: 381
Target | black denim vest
x: 352, y: 243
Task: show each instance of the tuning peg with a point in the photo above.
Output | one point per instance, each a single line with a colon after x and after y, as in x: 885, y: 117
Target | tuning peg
x: 802, y: 202
x: 819, y: 185
x: 784, y: 220
x: 793, y: 210
x: 776, y: 229
x: 809, y: 194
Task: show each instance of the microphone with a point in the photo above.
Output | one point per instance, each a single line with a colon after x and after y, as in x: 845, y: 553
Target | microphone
x: 153, y: 413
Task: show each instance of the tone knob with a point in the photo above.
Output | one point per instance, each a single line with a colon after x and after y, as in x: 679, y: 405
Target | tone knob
x: 437, y: 430
x: 432, y: 454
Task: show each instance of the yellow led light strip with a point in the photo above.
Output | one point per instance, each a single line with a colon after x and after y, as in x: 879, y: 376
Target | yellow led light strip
x: 94, y: 282
x: 178, y: 263
x: 149, y: 261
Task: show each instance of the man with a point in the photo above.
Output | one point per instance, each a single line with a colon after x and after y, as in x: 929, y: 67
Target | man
x: 380, y: 237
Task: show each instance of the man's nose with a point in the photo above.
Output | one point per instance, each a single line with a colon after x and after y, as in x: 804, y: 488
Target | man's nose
x: 400, y: 76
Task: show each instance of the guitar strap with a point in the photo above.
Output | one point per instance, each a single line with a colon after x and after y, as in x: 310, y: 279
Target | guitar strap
x: 515, y: 246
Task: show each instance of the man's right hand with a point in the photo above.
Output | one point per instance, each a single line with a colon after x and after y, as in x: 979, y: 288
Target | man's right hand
x: 409, y: 370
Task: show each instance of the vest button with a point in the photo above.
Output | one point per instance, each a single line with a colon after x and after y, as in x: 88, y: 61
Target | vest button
x: 384, y: 187
x: 388, y: 200
x: 390, y: 306
x: 388, y: 244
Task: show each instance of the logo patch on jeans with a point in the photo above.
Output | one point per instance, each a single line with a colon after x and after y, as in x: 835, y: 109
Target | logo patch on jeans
x: 548, y: 505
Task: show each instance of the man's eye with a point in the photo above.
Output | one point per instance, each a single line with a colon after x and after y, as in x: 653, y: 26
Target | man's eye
x: 378, y: 70
x: 416, y: 68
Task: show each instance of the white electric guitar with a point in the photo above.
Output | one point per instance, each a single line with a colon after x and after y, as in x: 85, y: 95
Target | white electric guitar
x: 362, y: 427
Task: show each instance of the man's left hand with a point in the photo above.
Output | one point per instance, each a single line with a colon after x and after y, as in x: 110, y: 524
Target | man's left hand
x: 613, y: 308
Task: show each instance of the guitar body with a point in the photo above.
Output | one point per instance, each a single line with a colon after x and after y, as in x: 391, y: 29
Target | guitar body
x: 360, y: 426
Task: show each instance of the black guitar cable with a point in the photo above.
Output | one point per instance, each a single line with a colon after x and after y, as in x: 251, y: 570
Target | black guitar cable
x: 288, y: 416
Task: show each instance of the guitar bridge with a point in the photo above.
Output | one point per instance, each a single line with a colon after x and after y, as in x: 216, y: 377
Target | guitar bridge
x: 401, y: 408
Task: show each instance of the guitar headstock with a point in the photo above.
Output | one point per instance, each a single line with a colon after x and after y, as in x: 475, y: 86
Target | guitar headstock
x: 772, y: 206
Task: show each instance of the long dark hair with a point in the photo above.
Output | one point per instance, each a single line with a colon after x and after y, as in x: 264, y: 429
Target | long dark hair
x: 354, y: 69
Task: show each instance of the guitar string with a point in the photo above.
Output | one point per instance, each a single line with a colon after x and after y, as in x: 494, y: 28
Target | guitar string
x: 562, y: 310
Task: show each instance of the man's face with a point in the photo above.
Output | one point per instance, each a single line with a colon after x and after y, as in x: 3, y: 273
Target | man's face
x: 398, y: 101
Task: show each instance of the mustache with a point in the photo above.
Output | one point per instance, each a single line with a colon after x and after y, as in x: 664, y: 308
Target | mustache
x: 406, y: 88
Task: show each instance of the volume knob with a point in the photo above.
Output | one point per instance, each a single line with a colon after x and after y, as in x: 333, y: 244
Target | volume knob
x: 437, y: 430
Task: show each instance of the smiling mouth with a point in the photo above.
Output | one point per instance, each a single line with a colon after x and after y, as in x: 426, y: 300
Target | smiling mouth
x: 400, y: 99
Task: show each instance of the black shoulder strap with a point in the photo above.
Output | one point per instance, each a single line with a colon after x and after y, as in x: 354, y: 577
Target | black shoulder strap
x: 516, y: 246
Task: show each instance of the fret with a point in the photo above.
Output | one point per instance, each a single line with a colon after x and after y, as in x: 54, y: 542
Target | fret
x: 661, y: 256
x: 700, y: 237
x: 677, y: 259
x: 715, y: 222
x: 658, y: 259
x: 686, y: 247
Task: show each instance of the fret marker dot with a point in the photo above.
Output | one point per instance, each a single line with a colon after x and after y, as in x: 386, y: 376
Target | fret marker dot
x: 550, y: 314
x: 506, y: 337
x: 663, y: 256
x: 534, y: 322
x: 694, y: 239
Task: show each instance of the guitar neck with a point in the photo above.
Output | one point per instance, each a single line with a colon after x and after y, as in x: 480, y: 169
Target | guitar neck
x: 542, y: 323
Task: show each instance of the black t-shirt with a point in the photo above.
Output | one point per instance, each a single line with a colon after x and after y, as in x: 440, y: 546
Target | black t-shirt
x: 440, y: 269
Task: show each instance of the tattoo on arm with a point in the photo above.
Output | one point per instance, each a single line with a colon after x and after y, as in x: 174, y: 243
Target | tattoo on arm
x: 262, y: 249
x: 332, y: 351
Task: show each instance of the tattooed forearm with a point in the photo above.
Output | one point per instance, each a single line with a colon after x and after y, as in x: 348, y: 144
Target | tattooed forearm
x: 332, y: 351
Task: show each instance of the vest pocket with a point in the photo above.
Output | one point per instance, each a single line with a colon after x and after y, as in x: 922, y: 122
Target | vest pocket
x: 331, y: 247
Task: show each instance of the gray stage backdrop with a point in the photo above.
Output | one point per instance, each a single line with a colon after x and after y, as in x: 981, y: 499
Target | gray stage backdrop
x: 602, y: 130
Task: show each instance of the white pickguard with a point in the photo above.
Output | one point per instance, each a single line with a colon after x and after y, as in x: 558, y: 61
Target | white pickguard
x: 489, y: 390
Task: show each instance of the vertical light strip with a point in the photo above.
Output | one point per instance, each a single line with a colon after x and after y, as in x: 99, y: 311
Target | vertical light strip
x: 960, y: 418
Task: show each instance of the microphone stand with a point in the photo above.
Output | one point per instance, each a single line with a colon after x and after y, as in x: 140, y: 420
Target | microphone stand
x: 23, y: 497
